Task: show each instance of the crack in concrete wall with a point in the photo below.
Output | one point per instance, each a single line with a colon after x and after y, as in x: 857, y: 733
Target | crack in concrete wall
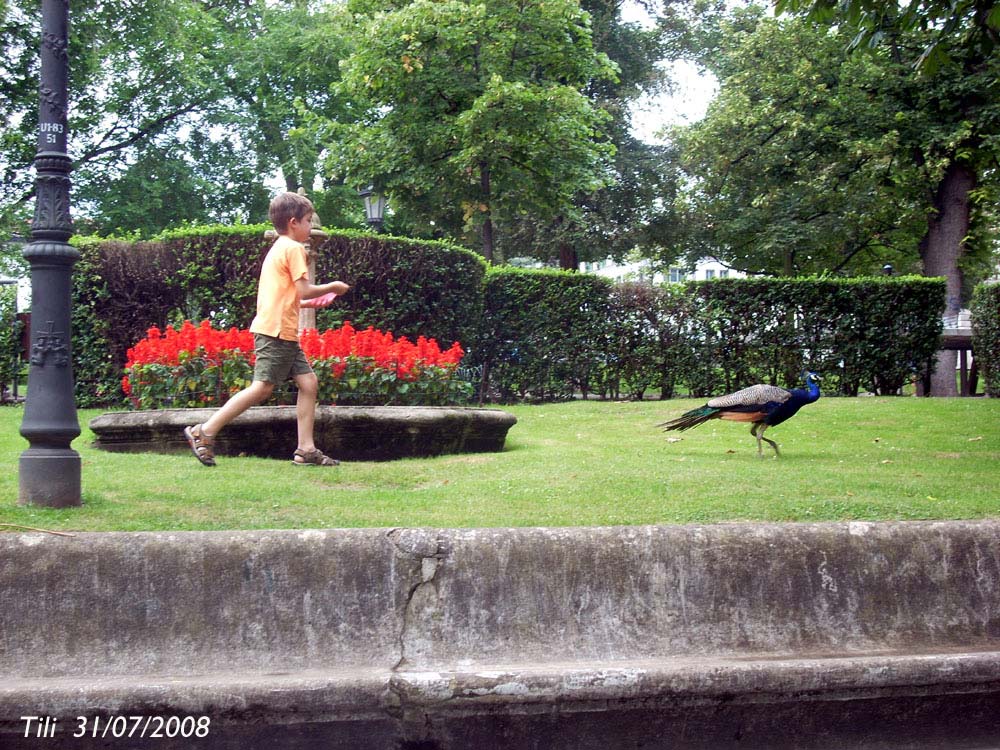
x: 419, y: 629
x: 420, y: 611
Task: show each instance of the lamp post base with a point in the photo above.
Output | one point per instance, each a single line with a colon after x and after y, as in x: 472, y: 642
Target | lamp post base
x: 49, y: 477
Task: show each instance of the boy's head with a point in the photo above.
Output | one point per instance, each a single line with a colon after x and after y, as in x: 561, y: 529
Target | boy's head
x: 288, y: 206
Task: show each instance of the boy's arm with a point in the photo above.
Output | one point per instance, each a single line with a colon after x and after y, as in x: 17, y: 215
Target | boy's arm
x: 316, y: 302
x: 311, y: 291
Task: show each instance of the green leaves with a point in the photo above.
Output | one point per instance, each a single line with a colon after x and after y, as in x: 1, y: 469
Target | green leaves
x: 793, y: 171
x: 10, y: 335
x: 986, y: 334
x: 473, y: 110
x: 542, y: 332
x: 547, y: 335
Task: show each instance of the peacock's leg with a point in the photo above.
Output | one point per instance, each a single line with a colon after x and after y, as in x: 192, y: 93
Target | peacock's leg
x: 760, y: 436
x: 753, y: 431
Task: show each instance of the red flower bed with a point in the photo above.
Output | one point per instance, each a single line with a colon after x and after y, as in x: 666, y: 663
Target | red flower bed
x: 202, y: 366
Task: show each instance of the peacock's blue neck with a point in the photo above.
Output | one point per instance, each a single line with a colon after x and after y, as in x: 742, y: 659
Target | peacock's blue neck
x: 806, y: 395
x: 812, y: 390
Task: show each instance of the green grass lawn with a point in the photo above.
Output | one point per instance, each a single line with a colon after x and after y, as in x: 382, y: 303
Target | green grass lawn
x: 582, y: 463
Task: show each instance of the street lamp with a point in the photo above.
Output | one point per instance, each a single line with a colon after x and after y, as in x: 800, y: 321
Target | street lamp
x: 49, y: 470
x: 374, y: 207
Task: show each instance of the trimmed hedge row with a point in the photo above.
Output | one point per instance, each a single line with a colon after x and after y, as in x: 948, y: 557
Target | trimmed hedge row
x: 986, y: 334
x: 10, y: 335
x: 533, y: 334
x: 872, y: 333
x: 409, y: 287
x: 542, y: 333
x: 541, y: 341
x: 120, y: 289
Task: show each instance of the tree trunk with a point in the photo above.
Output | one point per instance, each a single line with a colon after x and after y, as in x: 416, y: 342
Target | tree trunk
x: 940, y: 252
x: 484, y: 183
x: 568, y: 260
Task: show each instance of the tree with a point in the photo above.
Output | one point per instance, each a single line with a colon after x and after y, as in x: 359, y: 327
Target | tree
x: 875, y: 21
x: 473, y: 113
x: 951, y: 105
x: 634, y: 208
x: 159, y: 189
x: 792, y: 171
x: 279, y: 62
x: 136, y: 71
x: 218, y: 90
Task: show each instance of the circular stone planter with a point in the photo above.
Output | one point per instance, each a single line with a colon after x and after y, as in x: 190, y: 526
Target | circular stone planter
x: 352, y: 433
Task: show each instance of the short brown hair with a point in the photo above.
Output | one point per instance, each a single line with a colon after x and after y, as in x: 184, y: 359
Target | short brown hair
x: 288, y: 206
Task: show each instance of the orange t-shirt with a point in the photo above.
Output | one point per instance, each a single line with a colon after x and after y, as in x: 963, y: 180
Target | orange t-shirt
x: 277, y: 296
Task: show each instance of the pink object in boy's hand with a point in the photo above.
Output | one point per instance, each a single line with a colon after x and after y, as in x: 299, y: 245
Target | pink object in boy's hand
x: 322, y: 301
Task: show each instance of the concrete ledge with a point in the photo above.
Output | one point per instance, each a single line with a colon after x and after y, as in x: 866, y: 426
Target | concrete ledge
x: 814, y: 635
x: 353, y: 433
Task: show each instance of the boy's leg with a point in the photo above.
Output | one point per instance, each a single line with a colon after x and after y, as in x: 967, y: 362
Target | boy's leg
x: 305, y: 412
x: 201, y: 436
x: 256, y: 393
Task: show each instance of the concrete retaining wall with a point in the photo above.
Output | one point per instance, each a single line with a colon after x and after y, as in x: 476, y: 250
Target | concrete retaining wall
x: 826, y: 635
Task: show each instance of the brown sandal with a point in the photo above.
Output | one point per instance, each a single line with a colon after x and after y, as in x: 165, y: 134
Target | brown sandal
x: 201, y: 445
x: 314, y: 457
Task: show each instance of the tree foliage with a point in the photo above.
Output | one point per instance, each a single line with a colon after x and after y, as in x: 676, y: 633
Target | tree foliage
x: 635, y: 206
x: 976, y: 21
x: 205, y: 99
x: 793, y: 170
x: 186, y: 111
x: 470, y: 113
x: 137, y: 71
x: 950, y: 110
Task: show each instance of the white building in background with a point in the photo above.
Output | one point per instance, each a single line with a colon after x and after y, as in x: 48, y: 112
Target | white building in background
x: 641, y: 270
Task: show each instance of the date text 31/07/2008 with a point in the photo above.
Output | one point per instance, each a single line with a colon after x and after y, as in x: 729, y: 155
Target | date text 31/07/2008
x: 118, y: 727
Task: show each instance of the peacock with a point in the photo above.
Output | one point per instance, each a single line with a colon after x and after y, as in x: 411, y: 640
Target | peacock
x: 763, y: 405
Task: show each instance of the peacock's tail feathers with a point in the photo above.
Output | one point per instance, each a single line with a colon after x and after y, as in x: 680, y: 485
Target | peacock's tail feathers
x: 690, y: 419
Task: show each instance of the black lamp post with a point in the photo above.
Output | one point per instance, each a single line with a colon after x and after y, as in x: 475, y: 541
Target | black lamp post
x: 49, y: 469
x: 374, y: 207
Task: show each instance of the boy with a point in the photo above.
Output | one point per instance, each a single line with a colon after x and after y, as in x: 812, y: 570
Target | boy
x: 283, y: 285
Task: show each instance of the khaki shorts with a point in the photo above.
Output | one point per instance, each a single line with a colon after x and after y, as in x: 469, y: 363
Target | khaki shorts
x: 278, y: 359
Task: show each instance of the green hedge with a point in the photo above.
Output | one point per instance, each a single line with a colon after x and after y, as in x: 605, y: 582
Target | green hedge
x: 535, y: 334
x: 409, y: 287
x: 122, y: 288
x: 10, y: 336
x: 872, y: 333
x: 542, y: 334
x: 650, y: 343
x: 985, y: 310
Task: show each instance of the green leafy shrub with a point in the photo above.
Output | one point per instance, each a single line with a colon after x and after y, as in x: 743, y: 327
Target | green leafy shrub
x: 542, y: 334
x: 411, y: 287
x: 875, y: 333
x: 985, y: 310
x: 10, y: 335
x: 649, y: 342
x: 533, y: 334
x: 96, y: 373
x: 121, y: 288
